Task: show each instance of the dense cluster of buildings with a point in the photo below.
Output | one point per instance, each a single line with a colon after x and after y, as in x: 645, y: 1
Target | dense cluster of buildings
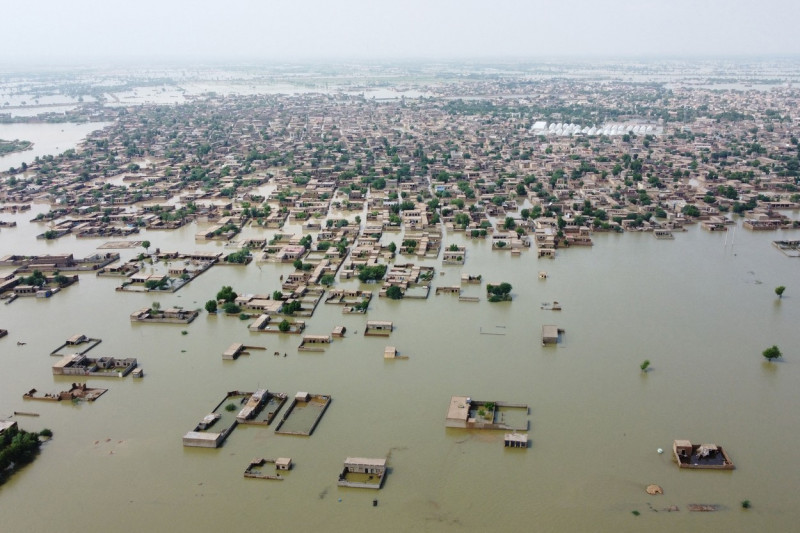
x: 499, y: 164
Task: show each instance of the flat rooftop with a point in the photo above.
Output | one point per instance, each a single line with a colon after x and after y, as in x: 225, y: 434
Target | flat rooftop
x: 365, y: 461
x: 459, y: 408
x: 201, y: 435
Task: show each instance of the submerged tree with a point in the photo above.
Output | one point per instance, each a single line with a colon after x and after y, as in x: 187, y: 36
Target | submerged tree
x: 499, y: 293
x: 227, y: 294
x: 36, y: 278
x: 231, y: 308
x: 779, y: 290
x: 394, y: 292
x: 773, y: 352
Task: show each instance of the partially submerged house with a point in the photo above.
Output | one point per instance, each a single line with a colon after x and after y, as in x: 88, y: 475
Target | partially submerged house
x: 81, y: 365
x: 466, y: 413
x: 551, y: 334
x: 363, y: 472
x: 253, y: 470
x: 515, y: 440
x: 710, y: 456
x: 378, y: 327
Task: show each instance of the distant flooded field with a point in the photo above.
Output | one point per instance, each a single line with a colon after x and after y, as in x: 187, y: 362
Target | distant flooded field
x: 47, y: 139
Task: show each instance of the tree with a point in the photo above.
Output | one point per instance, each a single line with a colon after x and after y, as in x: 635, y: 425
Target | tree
x: 779, y: 291
x: 327, y: 279
x: 394, y: 292
x: 239, y: 257
x: 645, y: 365
x: 156, y: 306
x: 156, y: 284
x: 773, y: 352
x: 17, y: 447
x: 499, y: 293
x: 211, y: 306
x: 227, y: 294
x: 284, y: 326
x: 392, y: 247
x: 691, y: 210
x: 369, y: 273
x: 145, y: 244
x: 36, y: 278
x: 291, y: 308
x: 231, y: 308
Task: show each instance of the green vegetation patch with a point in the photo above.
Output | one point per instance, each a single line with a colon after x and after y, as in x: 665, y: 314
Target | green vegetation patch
x: 17, y: 448
x: 9, y: 147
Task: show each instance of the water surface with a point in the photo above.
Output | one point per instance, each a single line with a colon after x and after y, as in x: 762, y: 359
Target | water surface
x: 699, y: 310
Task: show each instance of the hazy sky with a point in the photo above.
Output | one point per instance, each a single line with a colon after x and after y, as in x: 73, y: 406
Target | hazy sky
x: 77, y: 31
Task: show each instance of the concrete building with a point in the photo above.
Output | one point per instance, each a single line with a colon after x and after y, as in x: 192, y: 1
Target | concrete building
x: 550, y: 334
x: 377, y: 327
x: 515, y: 440
x: 458, y: 412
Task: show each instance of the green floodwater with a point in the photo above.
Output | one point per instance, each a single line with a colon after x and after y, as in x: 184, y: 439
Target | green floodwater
x: 699, y: 310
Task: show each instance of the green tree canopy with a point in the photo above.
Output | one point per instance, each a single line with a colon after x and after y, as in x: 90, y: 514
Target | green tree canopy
x: 371, y: 273
x: 394, y: 292
x: 231, y: 308
x: 227, y: 294
x: 773, y: 352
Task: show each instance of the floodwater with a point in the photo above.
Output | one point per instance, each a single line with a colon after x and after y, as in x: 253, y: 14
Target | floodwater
x: 47, y: 139
x: 700, y: 308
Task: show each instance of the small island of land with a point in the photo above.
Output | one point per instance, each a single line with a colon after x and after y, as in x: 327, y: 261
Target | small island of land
x: 9, y: 147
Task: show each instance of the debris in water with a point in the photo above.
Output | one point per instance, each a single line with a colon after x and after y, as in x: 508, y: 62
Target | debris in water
x: 654, y: 489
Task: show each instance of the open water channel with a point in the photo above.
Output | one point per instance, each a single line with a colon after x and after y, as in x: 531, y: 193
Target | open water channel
x: 700, y: 308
